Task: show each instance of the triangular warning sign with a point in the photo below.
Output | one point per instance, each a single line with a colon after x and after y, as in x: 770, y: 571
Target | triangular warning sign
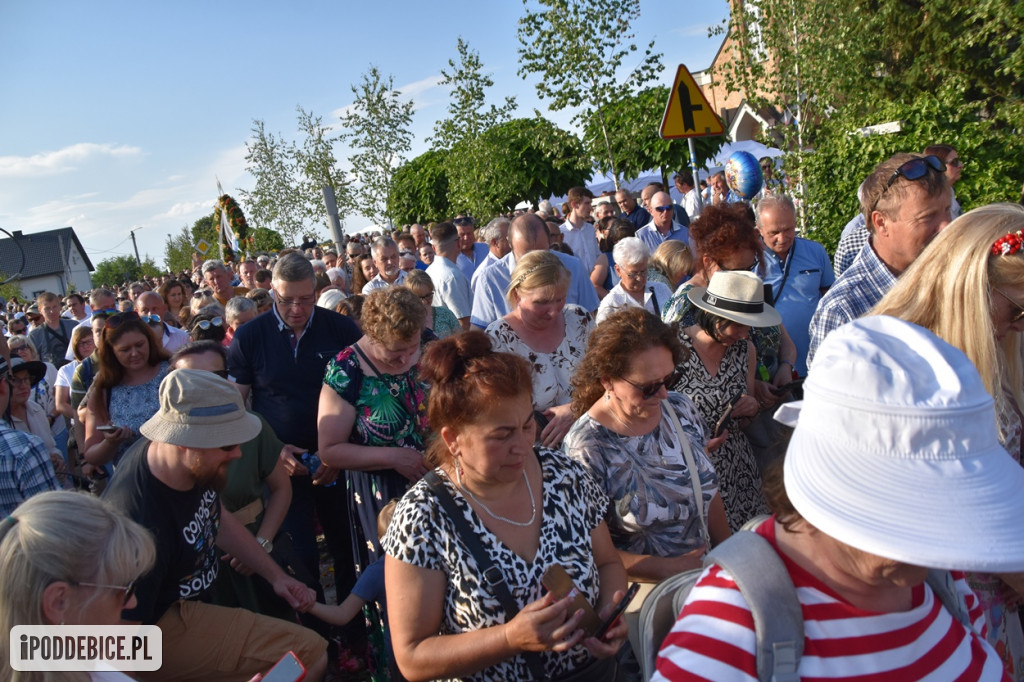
x: 688, y: 112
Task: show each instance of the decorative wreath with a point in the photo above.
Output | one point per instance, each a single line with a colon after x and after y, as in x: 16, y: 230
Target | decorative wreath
x: 1008, y: 244
x: 236, y: 221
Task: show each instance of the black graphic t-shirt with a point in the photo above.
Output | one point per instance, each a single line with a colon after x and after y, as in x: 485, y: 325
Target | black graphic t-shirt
x: 184, y: 525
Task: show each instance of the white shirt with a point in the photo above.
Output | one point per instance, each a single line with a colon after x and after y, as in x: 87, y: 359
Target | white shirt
x: 583, y: 242
x: 689, y: 202
x: 451, y: 288
x: 379, y: 282
x: 618, y: 299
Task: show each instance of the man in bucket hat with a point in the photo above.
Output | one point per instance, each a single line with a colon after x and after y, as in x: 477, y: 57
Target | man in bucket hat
x: 168, y: 482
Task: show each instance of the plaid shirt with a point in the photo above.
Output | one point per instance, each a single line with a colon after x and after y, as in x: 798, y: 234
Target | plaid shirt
x: 858, y: 289
x: 855, y: 236
x: 25, y: 468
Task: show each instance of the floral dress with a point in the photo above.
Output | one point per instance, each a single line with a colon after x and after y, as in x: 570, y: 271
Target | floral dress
x: 132, y: 406
x: 391, y: 411
x: 738, y: 477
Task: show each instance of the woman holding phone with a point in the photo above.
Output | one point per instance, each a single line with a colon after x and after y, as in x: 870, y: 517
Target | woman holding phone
x: 524, y: 509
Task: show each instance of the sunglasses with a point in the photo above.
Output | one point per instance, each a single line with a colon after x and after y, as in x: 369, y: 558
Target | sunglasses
x: 199, y: 293
x: 222, y: 373
x: 115, y: 321
x: 1019, y: 315
x: 106, y: 312
x: 463, y: 221
x: 206, y: 324
x: 150, y: 319
x: 128, y: 590
x: 648, y: 391
x: 915, y: 169
x: 662, y: 209
x: 955, y: 163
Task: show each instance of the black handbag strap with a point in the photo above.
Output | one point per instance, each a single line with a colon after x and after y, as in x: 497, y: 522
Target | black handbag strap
x: 492, y: 575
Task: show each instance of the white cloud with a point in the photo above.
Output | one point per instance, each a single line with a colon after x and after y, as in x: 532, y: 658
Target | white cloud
x: 62, y: 160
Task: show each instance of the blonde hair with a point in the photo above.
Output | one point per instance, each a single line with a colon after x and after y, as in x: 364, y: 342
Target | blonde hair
x: 671, y: 258
x: 536, y: 270
x: 949, y: 290
x: 37, y: 549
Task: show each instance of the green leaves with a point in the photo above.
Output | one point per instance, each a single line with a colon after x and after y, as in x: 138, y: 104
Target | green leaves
x: 115, y: 271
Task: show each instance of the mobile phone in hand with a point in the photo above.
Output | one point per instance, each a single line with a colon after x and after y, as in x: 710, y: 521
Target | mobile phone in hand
x: 558, y: 582
x: 288, y: 669
x: 619, y: 608
x: 107, y: 428
x: 726, y: 417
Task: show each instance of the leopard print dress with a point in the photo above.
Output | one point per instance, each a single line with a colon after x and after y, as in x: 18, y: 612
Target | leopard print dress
x: 422, y: 534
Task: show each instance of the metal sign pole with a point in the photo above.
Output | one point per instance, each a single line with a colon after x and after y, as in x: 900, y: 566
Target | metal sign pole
x: 693, y: 167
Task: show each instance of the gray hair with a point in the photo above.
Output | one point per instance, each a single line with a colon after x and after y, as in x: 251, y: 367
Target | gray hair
x: 213, y: 264
x: 772, y: 201
x: 293, y: 267
x: 381, y: 243
x: 631, y: 251
x: 336, y: 273
x: 97, y: 294
x: 493, y: 229
x: 237, y: 306
x: 330, y: 298
x: 318, y: 265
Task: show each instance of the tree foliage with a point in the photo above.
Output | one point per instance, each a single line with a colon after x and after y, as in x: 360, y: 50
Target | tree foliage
x: 316, y: 166
x: 420, y: 189
x: 468, y: 118
x: 579, y: 48
x: 178, y: 248
x: 377, y: 130
x: 633, y: 122
x: 120, y: 269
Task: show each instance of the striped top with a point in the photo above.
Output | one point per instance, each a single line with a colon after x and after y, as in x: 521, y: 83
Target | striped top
x: 714, y: 637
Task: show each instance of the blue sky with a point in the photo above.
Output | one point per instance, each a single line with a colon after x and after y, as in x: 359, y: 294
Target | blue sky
x: 119, y: 115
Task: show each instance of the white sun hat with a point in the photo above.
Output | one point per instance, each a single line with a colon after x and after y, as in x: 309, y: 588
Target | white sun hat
x: 895, y: 452
x: 736, y: 295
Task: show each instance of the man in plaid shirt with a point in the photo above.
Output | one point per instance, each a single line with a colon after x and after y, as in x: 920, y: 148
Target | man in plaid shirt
x: 25, y: 467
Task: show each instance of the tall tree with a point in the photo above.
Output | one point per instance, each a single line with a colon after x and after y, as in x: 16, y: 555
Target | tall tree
x: 120, y: 269
x: 420, y: 189
x: 633, y: 122
x: 468, y: 118
x: 579, y: 48
x: 317, y: 166
x: 178, y: 248
x: 276, y: 201
x: 377, y: 129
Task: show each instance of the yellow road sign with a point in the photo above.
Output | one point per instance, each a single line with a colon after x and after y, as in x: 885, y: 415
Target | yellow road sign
x: 688, y: 112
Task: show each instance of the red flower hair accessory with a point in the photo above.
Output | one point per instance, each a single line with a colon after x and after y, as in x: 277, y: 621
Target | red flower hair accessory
x: 1008, y: 244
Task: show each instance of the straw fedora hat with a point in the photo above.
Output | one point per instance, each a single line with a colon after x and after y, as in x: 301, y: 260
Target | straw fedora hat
x: 736, y: 295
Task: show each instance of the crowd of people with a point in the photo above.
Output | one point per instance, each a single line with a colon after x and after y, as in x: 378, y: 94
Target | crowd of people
x: 458, y: 419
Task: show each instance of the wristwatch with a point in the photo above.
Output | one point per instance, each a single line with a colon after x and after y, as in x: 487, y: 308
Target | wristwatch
x: 266, y: 544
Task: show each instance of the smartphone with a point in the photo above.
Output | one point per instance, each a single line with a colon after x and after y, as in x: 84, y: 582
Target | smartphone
x: 558, y: 583
x: 619, y: 608
x: 726, y: 415
x: 107, y: 428
x: 288, y: 669
x: 786, y: 388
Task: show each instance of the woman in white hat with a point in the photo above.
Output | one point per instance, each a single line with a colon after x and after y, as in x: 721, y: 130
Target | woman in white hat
x: 718, y: 376
x: 981, y: 315
x: 894, y: 468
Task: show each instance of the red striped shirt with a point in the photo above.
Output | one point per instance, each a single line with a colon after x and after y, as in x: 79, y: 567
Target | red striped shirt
x: 714, y: 637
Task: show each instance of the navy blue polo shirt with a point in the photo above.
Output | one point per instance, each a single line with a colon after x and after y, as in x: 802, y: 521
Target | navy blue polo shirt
x: 285, y: 383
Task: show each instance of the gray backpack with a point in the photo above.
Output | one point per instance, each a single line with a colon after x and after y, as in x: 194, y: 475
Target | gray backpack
x: 762, y: 578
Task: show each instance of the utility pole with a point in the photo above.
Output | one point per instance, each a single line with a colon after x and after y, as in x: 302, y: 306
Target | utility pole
x: 138, y: 260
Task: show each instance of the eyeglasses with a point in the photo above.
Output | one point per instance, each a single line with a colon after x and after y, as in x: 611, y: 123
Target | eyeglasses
x: 222, y: 373
x: 199, y: 293
x: 915, y: 169
x: 128, y: 590
x: 1019, y: 315
x: 634, y: 276
x: 18, y: 381
x: 115, y: 321
x: 206, y: 324
x: 956, y: 162
x: 301, y: 302
x: 150, y: 319
x: 662, y: 209
x: 648, y: 391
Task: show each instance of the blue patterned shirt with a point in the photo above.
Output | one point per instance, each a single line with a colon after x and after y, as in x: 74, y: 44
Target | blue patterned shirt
x: 25, y: 468
x: 856, y: 292
x: 853, y: 239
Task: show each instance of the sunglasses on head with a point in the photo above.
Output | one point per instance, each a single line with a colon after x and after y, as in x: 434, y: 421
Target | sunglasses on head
x: 915, y: 169
x: 1017, y: 316
x: 199, y: 293
x: 106, y: 312
x: 650, y: 390
x: 128, y: 590
x: 206, y: 324
x: 116, y: 320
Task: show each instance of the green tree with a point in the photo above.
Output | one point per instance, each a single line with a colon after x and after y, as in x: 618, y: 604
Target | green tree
x: 276, y: 200
x: 120, y: 269
x: 317, y: 166
x: 468, y: 118
x: 11, y: 290
x: 377, y: 129
x: 579, y: 48
x: 633, y: 122
x: 420, y: 189
x: 265, y: 239
x: 178, y: 248
x: 528, y: 159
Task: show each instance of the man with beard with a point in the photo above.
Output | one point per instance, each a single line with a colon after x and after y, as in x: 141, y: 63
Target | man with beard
x: 168, y: 482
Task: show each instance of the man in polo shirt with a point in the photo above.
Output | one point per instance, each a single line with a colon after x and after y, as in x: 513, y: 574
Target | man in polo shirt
x: 906, y: 203
x: 169, y: 482
x: 663, y: 227
x: 152, y: 308
x: 451, y: 288
x: 384, y: 252
x: 495, y: 235
x: 527, y: 233
x: 797, y: 269
x: 471, y: 252
x: 280, y: 359
x: 577, y: 231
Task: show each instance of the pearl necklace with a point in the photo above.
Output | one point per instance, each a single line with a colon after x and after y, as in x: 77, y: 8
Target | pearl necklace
x: 521, y: 524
